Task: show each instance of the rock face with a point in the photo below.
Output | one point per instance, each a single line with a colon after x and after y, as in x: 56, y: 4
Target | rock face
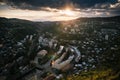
x: 42, y: 53
x: 76, y: 53
x: 59, y: 64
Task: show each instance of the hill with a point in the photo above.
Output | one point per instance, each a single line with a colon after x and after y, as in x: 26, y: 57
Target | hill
x: 96, y: 38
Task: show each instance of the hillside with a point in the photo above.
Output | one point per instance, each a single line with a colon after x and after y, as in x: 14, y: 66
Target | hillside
x: 97, y: 39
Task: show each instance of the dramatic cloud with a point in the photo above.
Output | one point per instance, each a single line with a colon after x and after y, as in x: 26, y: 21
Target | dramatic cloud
x: 37, y: 4
x: 56, y: 10
x: 48, y: 14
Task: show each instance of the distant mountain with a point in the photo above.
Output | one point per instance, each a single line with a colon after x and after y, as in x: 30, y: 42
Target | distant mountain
x: 20, y: 28
x: 17, y: 27
x: 116, y: 18
x: 24, y: 21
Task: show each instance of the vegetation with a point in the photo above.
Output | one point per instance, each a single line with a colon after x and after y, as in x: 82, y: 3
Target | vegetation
x: 102, y: 74
x: 14, y: 31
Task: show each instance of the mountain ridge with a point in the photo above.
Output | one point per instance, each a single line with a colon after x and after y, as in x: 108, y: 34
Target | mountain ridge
x: 13, y: 19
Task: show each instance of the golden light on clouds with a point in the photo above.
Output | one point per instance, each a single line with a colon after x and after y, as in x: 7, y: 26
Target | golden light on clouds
x: 41, y: 15
x: 67, y: 12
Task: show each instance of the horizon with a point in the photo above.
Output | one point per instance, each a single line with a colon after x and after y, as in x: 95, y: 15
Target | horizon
x: 67, y: 10
x: 66, y: 20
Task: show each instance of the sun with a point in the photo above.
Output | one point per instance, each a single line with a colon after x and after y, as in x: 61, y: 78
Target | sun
x: 67, y: 12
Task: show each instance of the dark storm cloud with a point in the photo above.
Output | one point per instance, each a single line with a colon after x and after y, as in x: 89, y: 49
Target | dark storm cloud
x: 91, y: 3
x: 36, y: 4
x: 109, y: 6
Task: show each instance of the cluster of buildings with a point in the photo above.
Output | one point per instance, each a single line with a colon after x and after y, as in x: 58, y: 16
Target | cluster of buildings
x: 30, y: 58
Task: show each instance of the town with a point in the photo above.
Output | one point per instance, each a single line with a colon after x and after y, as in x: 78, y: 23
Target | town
x: 85, y: 44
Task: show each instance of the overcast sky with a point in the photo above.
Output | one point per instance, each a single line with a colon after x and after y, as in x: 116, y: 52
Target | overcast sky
x: 55, y: 10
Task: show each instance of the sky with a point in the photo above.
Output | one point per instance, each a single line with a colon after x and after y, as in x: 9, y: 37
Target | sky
x: 58, y: 10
